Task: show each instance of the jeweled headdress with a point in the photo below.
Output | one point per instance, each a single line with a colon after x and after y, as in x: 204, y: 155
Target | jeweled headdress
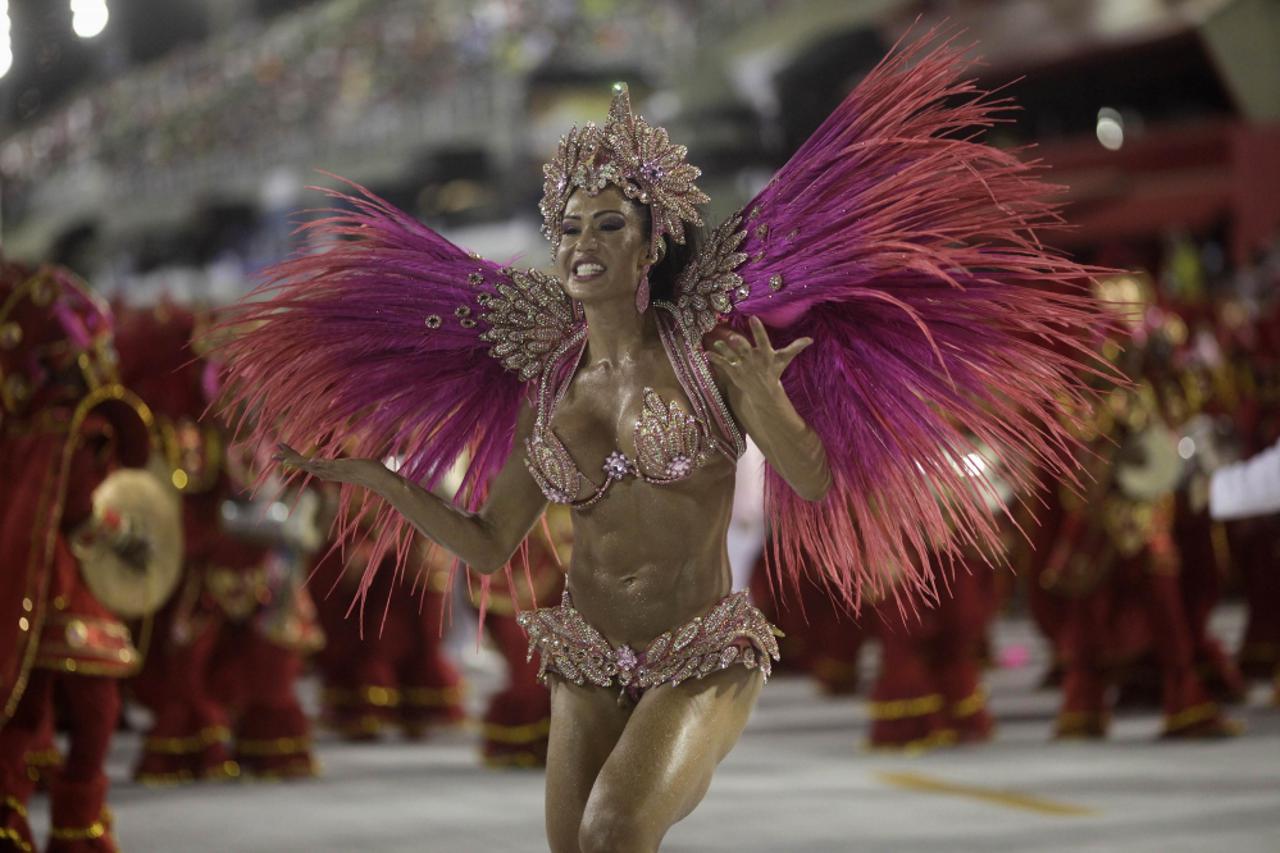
x: 634, y: 156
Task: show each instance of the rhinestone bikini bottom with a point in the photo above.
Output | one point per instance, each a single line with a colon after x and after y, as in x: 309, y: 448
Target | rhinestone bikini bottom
x: 733, y: 632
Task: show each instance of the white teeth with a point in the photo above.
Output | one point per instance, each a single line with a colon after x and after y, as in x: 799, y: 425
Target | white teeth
x: 587, y: 269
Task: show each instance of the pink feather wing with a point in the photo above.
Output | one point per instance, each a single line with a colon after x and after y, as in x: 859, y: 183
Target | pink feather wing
x: 374, y: 344
x: 907, y: 249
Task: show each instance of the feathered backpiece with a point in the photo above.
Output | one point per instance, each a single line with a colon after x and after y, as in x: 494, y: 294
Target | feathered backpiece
x: 897, y: 240
x: 907, y: 249
x: 384, y: 340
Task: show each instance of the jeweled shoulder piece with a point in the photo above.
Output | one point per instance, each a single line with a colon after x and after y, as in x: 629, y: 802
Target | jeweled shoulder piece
x: 708, y: 287
x: 637, y: 158
x: 528, y: 318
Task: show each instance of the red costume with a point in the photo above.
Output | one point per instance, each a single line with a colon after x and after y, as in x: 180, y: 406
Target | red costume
x: 929, y: 692
x: 1124, y: 591
x: 818, y: 637
x: 385, y: 667
x: 226, y: 650
x: 517, y: 720
x: 66, y: 424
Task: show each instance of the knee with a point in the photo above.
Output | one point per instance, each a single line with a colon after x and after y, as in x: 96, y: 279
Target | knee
x: 613, y: 827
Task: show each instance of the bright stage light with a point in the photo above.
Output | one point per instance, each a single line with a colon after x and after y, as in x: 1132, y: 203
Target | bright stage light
x: 6, y: 43
x: 1110, y: 128
x: 89, y: 17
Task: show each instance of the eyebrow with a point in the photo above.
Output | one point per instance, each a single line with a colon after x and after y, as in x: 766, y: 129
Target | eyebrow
x: 596, y: 215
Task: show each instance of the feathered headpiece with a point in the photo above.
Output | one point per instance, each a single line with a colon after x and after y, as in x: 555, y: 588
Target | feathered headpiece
x: 636, y: 157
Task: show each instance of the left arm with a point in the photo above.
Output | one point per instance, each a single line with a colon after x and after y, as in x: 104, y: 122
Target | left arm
x: 752, y: 378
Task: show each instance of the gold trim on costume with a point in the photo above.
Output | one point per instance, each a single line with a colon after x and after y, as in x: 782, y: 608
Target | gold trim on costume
x: 50, y: 512
x: 7, y: 834
x: 1190, y: 716
x: 1080, y: 724
x: 197, y: 742
x: 380, y: 697
x: 526, y: 733
x: 225, y: 772
x: 898, y: 709
x: 935, y: 740
x: 16, y: 806
x: 971, y: 704
x: 507, y: 760
x: 97, y: 829
x: 304, y: 769
x: 273, y: 746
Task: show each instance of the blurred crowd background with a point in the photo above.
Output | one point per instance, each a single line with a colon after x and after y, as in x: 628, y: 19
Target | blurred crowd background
x: 163, y: 144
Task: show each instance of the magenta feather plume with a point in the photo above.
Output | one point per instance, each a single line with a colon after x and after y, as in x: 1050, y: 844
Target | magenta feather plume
x: 907, y: 249
x: 366, y: 345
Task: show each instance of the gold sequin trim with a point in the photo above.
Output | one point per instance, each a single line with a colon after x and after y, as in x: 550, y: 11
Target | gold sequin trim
x: 12, y: 836
x: 197, y: 742
x: 898, y: 709
x: 95, y: 830
x: 971, y: 704
x: 273, y: 746
x: 527, y: 733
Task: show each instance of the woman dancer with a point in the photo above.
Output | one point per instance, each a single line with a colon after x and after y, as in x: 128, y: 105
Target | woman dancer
x: 625, y: 382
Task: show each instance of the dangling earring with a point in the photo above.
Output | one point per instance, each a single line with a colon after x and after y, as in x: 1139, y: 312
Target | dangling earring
x: 642, y: 292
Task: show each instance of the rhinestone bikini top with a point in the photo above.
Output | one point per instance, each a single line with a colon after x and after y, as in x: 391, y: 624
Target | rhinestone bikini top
x: 670, y: 442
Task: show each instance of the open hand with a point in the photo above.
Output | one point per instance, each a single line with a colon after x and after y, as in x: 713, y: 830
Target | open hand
x: 755, y: 370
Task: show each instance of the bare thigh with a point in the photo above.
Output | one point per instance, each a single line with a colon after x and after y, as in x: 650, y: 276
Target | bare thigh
x: 661, y: 766
x: 586, y: 723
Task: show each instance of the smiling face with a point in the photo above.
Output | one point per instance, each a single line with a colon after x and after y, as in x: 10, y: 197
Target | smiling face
x: 605, y: 246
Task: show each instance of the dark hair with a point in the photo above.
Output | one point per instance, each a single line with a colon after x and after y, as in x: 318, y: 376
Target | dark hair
x: 662, y: 278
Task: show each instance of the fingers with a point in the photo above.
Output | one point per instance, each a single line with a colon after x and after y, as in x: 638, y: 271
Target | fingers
x: 788, y: 353
x: 740, y: 345
x: 796, y: 347
x: 761, y: 336
x: 725, y: 355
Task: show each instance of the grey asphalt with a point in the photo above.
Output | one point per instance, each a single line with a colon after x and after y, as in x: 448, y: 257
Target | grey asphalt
x: 800, y: 780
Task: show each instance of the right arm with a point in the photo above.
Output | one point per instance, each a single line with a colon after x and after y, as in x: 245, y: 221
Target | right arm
x: 484, y: 540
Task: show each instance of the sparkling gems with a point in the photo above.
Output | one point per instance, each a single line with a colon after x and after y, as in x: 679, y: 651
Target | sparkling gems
x: 567, y: 644
x: 705, y: 283
x: 667, y: 438
x: 632, y: 155
x: 433, y: 321
x: 462, y: 311
x: 475, y: 279
x: 616, y: 465
x: 528, y: 319
x: 679, y: 467
x: 775, y: 282
x: 626, y: 657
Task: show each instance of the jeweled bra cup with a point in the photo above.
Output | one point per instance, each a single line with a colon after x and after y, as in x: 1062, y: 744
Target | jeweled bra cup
x: 733, y: 632
x: 670, y: 442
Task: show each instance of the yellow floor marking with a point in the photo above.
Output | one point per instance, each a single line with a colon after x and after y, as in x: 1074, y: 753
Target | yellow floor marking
x: 934, y: 785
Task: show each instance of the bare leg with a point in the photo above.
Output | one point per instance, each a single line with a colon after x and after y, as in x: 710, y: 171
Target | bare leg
x: 661, y: 767
x: 586, y: 723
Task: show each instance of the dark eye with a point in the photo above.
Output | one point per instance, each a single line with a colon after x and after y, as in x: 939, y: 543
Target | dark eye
x: 569, y: 228
x: 612, y: 223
